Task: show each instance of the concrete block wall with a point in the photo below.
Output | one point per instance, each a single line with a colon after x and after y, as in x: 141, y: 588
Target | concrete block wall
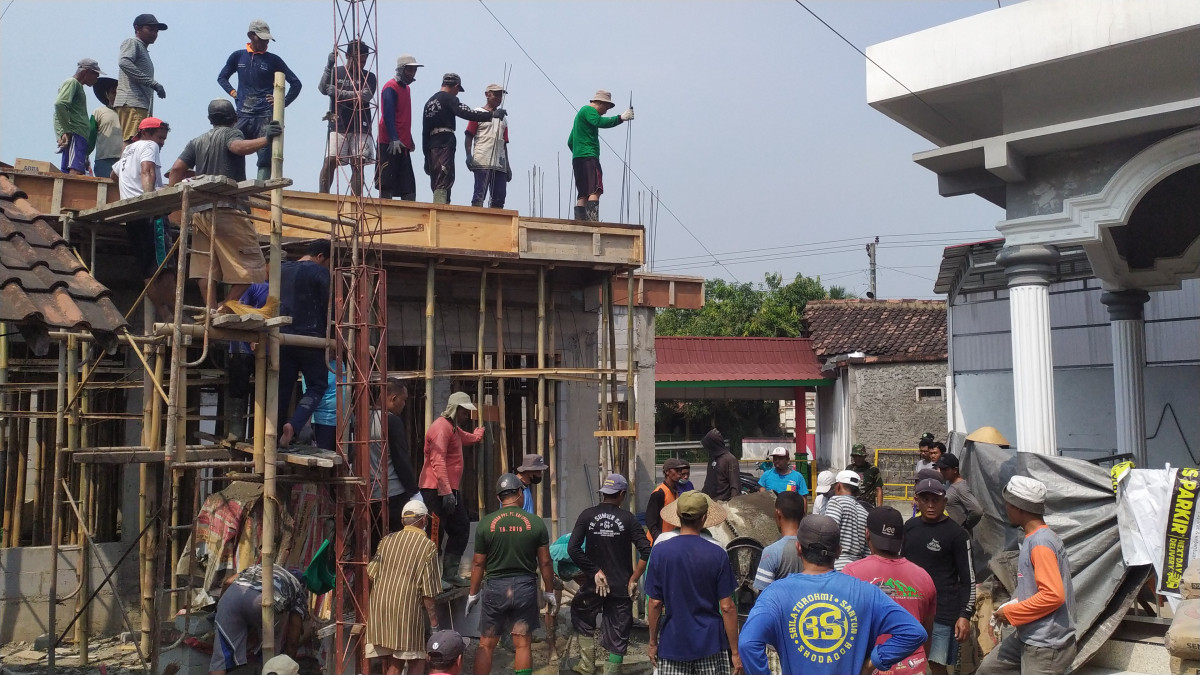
x: 885, y: 409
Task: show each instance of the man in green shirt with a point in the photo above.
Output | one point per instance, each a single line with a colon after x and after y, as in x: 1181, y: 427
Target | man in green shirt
x: 511, y: 547
x: 71, y: 121
x: 584, y: 143
x: 870, y: 493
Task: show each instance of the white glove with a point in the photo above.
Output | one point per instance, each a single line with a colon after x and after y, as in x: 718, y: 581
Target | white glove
x: 633, y: 585
x: 627, y: 116
x: 471, y: 601
x: 395, y: 148
x: 551, y: 603
x: 601, y: 584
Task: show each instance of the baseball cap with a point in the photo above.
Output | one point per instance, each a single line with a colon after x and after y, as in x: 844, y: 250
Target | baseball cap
x: 1026, y: 494
x: 947, y: 461
x: 778, y: 451
x: 693, y: 504
x: 89, y: 64
x: 674, y: 463
x: 495, y: 87
x: 825, y: 481
x: 446, y: 645
x: 357, y: 47
x: 508, y: 483
x: 533, y: 463
x: 930, y: 486
x: 858, y: 449
x: 461, y: 399
x: 453, y: 80
x: 849, y: 478
x: 153, y: 123
x: 261, y: 29
x: 819, y: 532
x: 929, y: 472
x: 281, y: 665
x: 406, y: 60
x: 148, y: 20
x: 414, y: 508
x: 886, y: 527
x: 926, y: 440
x: 613, y: 484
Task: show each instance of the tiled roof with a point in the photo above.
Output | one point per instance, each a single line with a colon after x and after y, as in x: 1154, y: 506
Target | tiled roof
x: 730, y: 359
x: 893, y: 330
x: 43, y: 286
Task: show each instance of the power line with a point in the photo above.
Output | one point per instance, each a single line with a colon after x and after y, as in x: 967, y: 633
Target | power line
x: 897, y: 269
x: 855, y: 242
x: 6, y: 8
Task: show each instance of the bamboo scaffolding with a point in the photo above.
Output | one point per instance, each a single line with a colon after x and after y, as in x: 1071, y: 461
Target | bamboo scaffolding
x: 6, y: 442
x: 56, y: 502
x: 631, y: 395
x: 85, y: 564
x: 481, y: 451
x: 552, y: 414
x: 500, y: 391
x: 429, y: 319
x: 541, y: 364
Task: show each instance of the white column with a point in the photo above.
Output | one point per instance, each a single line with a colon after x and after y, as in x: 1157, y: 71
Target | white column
x: 1029, y: 269
x: 1125, y: 310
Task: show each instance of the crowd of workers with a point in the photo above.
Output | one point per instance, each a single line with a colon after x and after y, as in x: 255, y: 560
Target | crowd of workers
x: 127, y: 107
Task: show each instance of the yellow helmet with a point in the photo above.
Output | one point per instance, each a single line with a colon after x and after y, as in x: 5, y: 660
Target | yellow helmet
x: 989, y: 435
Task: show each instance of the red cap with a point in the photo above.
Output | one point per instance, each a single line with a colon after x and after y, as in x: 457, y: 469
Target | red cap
x: 153, y: 123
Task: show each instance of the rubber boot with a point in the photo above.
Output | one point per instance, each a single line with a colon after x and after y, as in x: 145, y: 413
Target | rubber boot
x: 593, y: 211
x: 450, y: 572
x: 477, y: 202
x: 441, y: 196
x: 580, y: 213
x: 613, y: 665
x: 408, y: 197
x: 587, y: 651
x: 264, y: 173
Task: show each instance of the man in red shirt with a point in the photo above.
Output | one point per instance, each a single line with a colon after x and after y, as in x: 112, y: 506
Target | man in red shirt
x: 394, y: 175
x: 441, y: 475
x: 902, y: 581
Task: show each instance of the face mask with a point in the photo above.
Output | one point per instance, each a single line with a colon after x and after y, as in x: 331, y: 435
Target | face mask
x: 406, y: 79
x: 535, y: 479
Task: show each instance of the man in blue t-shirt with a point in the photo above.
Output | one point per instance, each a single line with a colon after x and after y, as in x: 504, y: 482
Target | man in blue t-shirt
x: 782, y: 477
x: 693, y: 580
x: 304, y: 296
x: 823, y: 622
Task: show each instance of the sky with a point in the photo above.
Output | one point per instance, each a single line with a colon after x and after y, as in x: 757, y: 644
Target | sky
x: 751, y: 117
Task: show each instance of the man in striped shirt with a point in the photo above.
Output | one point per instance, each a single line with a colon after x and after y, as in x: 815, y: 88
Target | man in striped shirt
x: 851, y: 517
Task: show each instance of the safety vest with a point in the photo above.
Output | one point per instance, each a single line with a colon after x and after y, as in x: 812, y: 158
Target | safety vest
x: 668, y: 497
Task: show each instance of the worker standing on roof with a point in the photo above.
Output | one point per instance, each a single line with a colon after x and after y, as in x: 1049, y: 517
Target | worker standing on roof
x: 441, y: 476
x: 255, y: 93
x: 351, y: 89
x: 219, y: 152
x: 394, y: 173
x: 106, y: 123
x: 487, y: 152
x: 438, y: 137
x: 304, y: 296
x: 584, y: 144
x: 138, y: 171
x: 71, y: 125
x: 136, y: 85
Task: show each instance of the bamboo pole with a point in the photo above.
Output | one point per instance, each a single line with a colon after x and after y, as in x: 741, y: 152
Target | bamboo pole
x: 85, y: 563
x: 24, y: 442
x: 631, y: 395
x: 56, y: 503
x: 541, y: 363
x: 270, y: 502
x: 10, y: 456
x: 613, y: 409
x: 552, y: 415
x: 481, y: 451
x: 146, y: 480
x: 430, y: 273
x: 500, y: 382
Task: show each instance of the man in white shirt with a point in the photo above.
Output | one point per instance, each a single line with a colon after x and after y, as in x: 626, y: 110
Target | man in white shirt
x: 137, y: 172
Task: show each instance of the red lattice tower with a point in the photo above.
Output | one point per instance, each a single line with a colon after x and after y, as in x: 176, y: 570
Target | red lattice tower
x: 360, y: 326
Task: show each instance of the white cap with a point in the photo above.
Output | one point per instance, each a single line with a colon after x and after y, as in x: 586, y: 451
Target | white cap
x: 779, y: 451
x: 281, y: 665
x: 848, y: 477
x: 1026, y: 494
x: 413, y: 509
x: 825, y: 481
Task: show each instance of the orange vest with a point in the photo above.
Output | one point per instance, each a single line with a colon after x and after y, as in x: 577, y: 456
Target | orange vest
x: 668, y: 497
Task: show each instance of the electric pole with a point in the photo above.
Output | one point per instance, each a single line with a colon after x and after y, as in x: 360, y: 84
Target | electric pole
x: 871, y: 293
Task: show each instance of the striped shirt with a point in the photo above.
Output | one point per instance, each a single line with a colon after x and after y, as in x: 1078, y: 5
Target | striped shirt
x: 135, y: 82
x: 852, y: 519
x: 403, y: 571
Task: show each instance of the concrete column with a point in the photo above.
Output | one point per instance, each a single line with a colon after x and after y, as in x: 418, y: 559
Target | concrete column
x: 1029, y: 269
x: 1125, y: 310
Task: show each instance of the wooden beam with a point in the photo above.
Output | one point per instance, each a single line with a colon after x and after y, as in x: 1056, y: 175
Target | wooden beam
x: 144, y: 455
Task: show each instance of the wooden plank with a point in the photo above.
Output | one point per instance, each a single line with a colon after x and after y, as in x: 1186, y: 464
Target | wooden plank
x: 312, y: 457
x: 204, y: 190
x: 144, y: 456
x: 617, y: 433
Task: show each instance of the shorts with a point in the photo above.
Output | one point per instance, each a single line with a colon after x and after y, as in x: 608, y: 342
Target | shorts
x: 943, y: 648
x: 150, y: 239
x: 238, y: 612
x: 589, y: 177
x: 239, y: 258
x: 346, y: 146
x: 130, y: 119
x: 439, y: 164
x: 376, y: 652
x: 394, y: 175
x: 75, y: 155
x: 609, y: 618
x: 510, y: 605
x: 713, y: 664
x: 102, y: 168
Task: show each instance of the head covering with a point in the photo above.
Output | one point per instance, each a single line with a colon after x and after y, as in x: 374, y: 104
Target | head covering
x: 414, y: 508
x: 508, y: 483
x: 820, y: 533
x: 1026, y: 494
x: 858, y: 449
x: 102, y: 87
x: 886, y: 527
x: 931, y: 486
x: 406, y: 60
x: 281, y: 665
x: 533, y: 463
x: 926, y: 440
x: 848, y: 477
x: 89, y: 64
x: 674, y: 463
x: 221, y: 106
x: 713, y: 441
x: 494, y: 87
x: 614, y: 484
x: 357, y: 46
x: 989, y: 435
x: 602, y: 96
x: 446, y: 645
x: 778, y: 451
x: 929, y: 473
x: 153, y: 123
x: 148, y: 20
x: 947, y: 461
x: 457, y: 399
x: 825, y: 481
x: 452, y: 80
x: 695, y: 503
x: 260, y: 29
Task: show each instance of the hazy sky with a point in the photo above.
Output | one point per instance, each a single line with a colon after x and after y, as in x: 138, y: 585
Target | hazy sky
x: 752, y: 119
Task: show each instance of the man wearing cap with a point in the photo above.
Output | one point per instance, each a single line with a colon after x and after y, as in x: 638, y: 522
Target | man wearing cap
x: 723, y: 481
x: 851, y: 516
x: 441, y: 476
x: 781, y: 558
x: 693, y: 582
x: 220, y: 152
x: 530, y: 473
x: 600, y: 545
x: 487, y: 152
x: 822, y: 622
x: 901, y: 580
x: 404, y: 582
x: 870, y: 491
x: 138, y: 171
x: 71, y: 122
x: 351, y: 89
x: 394, y: 173
x: 666, y: 492
x: 136, y: 85
x: 445, y: 649
x: 825, y: 481
x: 239, y: 613
x: 108, y: 141
x: 511, y: 547
x: 1043, y: 607
x: 255, y: 93
x: 782, y: 477
x: 281, y: 665
x: 438, y: 136
x: 961, y: 504
x: 584, y: 144
x: 942, y: 548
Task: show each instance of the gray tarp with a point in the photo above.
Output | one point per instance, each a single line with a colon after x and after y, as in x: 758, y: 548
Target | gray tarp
x: 1081, y: 509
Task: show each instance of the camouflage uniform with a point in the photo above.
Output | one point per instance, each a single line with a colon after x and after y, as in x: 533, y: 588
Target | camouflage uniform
x: 871, y: 479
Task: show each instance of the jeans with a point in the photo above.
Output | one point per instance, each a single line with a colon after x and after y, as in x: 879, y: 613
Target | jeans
x: 496, y: 180
x: 252, y: 128
x: 454, y: 524
x: 292, y: 362
x: 1013, y: 657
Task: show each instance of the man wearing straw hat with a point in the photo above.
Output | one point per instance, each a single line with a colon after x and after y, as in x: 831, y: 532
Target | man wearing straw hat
x: 694, y: 582
x: 441, y: 476
x: 584, y: 144
x: 487, y: 152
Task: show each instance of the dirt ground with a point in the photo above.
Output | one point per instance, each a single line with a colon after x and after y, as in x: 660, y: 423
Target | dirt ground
x: 115, y: 657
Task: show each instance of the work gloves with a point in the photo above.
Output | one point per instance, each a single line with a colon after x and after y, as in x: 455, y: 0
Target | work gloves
x: 551, y: 603
x: 472, y: 600
x: 160, y: 90
x: 601, y: 584
x: 627, y: 116
x: 449, y: 501
x: 499, y: 113
x: 632, y: 588
x: 395, y: 148
x: 273, y: 129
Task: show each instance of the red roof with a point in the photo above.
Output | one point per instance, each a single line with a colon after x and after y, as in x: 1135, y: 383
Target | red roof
x: 735, y: 359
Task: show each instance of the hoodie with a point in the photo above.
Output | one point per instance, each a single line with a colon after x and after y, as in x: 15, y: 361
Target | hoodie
x: 723, y: 479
